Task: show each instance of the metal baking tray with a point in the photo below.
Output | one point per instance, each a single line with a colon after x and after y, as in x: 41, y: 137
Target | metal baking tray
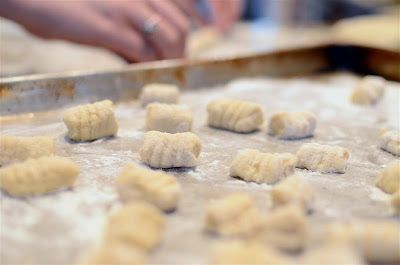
x: 63, y: 227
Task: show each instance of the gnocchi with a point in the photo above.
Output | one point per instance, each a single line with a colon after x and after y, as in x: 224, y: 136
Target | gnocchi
x: 18, y: 148
x: 395, y: 202
x: 368, y: 91
x: 156, y: 187
x: 333, y: 254
x: 168, y: 118
x: 390, y: 141
x: 252, y: 165
x: 292, y: 125
x: 293, y: 190
x: 139, y: 225
x: 165, y: 150
x: 38, y: 176
x: 91, y: 121
x: 235, y: 115
x: 233, y: 215
x: 163, y: 93
x: 322, y: 158
x: 117, y: 254
x: 389, y: 179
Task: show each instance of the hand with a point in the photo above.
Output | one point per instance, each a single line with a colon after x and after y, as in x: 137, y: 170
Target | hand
x: 115, y: 25
x: 225, y: 13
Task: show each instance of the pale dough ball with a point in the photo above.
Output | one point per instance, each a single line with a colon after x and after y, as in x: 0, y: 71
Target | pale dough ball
x: 91, y: 121
x: 165, y: 150
x: 293, y: 190
x: 292, y: 125
x: 235, y: 115
x: 168, y: 118
x: 38, y: 176
x: 157, y: 187
x: 333, y: 254
x: 390, y: 141
x: 368, y: 91
x: 252, y: 165
x: 395, y: 202
x: 162, y: 93
x: 233, y: 215
x: 140, y: 225
x: 19, y: 148
x: 246, y: 253
x: 323, y: 158
x: 378, y: 240
x: 389, y: 179
x: 117, y: 253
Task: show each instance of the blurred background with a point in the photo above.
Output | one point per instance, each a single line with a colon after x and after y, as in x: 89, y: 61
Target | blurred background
x: 264, y: 25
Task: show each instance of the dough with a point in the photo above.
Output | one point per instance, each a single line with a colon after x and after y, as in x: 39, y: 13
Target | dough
x: 163, y: 93
x: 168, y: 118
x: 38, y: 176
x: 233, y: 215
x: 247, y: 253
x: 292, y: 125
x: 378, y: 240
x: 323, y: 158
x: 368, y: 91
x: 156, y: 187
x: 333, y: 254
x: 252, y: 165
x: 165, y: 150
x: 139, y: 225
x: 235, y: 115
x: 293, y: 190
x: 287, y: 228
x: 91, y: 121
x: 18, y: 148
x: 389, y: 179
x: 395, y: 202
x: 117, y: 254
x: 390, y: 141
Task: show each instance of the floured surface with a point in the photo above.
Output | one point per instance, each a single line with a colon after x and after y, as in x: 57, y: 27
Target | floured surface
x: 60, y: 228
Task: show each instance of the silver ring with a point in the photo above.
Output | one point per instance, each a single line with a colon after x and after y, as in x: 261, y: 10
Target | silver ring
x: 150, y: 26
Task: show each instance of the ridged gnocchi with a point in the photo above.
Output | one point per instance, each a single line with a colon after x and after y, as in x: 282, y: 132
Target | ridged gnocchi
x: 233, y: 215
x: 91, y: 121
x: 163, y: 93
x: 253, y: 165
x: 168, y: 118
x: 322, y: 158
x: 165, y: 150
x: 156, y: 187
x: 390, y: 141
x: 19, y: 148
x: 368, y: 91
x: 38, y: 176
x: 292, y: 125
x: 389, y: 179
x: 235, y: 115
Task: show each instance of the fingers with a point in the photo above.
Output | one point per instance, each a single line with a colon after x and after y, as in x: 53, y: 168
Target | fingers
x: 189, y: 8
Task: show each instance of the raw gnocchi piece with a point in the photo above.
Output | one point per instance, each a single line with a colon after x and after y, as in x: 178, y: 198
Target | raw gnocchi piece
x: 369, y: 90
x: 333, y: 254
x: 395, y: 202
x: 235, y: 115
x: 252, y: 165
x: 378, y: 241
x: 117, y: 254
x: 390, y: 141
x: 139, y: 225
x: 246, y: 253
x: 19, y: 148
x: 292, y: 125
x: 156, y: 187
x: 233, y: 215
x: 163, y: 93
x: 389, y: 179
x: 286, y: 227
x: 165, y: 150
x: 38, y: 176
x: 91, y: 121
x: 293, y: 190
x: 168, y: 118
x: 322, y: 158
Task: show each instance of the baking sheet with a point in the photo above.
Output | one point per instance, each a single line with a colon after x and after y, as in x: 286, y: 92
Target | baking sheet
x: 61, y: 228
